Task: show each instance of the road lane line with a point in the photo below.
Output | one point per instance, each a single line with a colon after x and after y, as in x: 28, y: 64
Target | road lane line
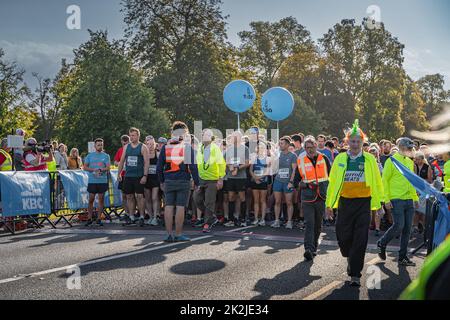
x: 323, y: 290
x: 118, y: 256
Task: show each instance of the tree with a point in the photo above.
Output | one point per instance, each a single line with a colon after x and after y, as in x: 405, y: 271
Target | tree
x: 413, y: 113
x: 14, y: 112
x: 105, y: 96
x: 434, y: 94
x: 180, y: 45
x: 266, y: 46
x: 369, y: 63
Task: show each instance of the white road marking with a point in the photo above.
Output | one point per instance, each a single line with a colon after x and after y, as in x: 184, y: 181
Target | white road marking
x: 118, y: 256
x: 323, y: 290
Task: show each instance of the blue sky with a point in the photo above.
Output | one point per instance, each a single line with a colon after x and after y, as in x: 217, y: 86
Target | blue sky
x: 34, y: 33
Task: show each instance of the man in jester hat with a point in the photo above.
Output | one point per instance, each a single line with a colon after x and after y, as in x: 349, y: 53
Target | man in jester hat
x: 355, y: 188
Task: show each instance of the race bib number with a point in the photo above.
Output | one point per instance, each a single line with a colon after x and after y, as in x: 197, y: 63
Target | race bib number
x: 132, y: 161
x: 152, y: 169
x: 284, y: 173
x: 259, y: 172
x: 235, y: 161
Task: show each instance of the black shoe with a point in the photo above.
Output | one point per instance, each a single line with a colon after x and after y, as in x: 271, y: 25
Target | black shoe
x: 381, y: 251
x: 377, y: 233
x: 406, y: 262
x: 89, y: 223
x: 308, y: 255
x: 99, y: 223
x: 141, y: 222
x: 199, y: 223
x: 355, y: 282
x: 314, y: 253
x: 348, y: 266
x: 126, y: 220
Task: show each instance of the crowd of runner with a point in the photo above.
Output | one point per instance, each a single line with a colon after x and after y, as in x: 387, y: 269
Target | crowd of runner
x: 298, y: 181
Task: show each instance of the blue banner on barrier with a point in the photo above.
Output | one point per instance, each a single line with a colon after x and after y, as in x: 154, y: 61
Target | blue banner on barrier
x: 25, y: 193
x: 117, y: 194
x: 75, y: 183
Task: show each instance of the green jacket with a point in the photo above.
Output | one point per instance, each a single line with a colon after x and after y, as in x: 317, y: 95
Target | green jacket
x: 447, y: 177
x: 417, y: 289
x: 372, y: 176
x: 214, y: 169
x: 396, y: 186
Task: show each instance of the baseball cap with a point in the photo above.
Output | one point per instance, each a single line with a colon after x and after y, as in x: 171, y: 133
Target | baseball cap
x: 405, y: 142
x: 162, y: 140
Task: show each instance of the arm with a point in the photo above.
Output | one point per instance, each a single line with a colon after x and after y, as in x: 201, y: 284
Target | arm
x: 145, y: 154
x: 387, y: 174
x: 160, y: 164
x: 121, y: 163
x: 193, y: 168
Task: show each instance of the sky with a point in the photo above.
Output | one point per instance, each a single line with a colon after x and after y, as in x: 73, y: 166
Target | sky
x: 35, y: 35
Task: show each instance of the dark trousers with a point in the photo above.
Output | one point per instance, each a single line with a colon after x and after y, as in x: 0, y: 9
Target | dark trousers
x: 403, y: 214
x: 352, y: 231
x: 313, y: 213
x: 205, y: 199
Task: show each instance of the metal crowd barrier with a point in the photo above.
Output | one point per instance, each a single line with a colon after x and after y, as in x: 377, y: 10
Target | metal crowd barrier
x: 60, y: 210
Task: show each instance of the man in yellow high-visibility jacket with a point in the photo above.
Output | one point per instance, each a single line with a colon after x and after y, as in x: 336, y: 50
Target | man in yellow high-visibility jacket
x: 447, y: 172
x: 355, y: 188
x: 5, y: 157
x: 211, y: 170
x: 401, y: 197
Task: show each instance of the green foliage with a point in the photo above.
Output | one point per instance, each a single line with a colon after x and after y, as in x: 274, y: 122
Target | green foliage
x: 14, y: 112
x: 106, y: 96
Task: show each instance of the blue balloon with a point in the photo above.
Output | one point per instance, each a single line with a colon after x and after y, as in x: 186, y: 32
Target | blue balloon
x: 239, y: 95
x: 277, y: 103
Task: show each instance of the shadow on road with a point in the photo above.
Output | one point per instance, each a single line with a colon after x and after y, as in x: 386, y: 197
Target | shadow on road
x: 285, y: 283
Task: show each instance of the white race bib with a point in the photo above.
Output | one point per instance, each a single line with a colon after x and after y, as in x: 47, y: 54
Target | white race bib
x: 152, y: 169
x: 259, y: 172
x: 283, y: 173
x: 132, y: 161
x: 236, y: 161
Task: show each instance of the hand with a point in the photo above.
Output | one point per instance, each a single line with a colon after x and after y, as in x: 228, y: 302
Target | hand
x: 388, y: 205
x: 119, y: 178
x: 162, y: 186
x: 143, y: 180
x: 257, y: 180
x: 219, y: 184
x: 416, y: 204
x: 234, y: 172
x: 290, y: 185
x: 329, y: 213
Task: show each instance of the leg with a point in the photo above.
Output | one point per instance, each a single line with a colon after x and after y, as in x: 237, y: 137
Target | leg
x: 344, y: 227
x: 319, y: 212
x: 155, y: 202
x: 148, y: 202
x: 309, y: 212
x: 360, y: 236
x: 141, y: 204
x: 398, y: 215
x: 210, y: 202
x: 91, y: 205
x: 242, y: 204
x: 168, y: 218
x: 226, y: 208
x: 289, y: 205
x: 406, y: 232
x: 278, y: 196
x: 256, y: 200
x: 131, y: 203
x: 101, y: 202
x: 179, y: 220
x: 263, y: 199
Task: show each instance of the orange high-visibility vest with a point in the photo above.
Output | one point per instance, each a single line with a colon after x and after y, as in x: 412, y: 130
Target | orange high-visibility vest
x: 174, y: 156
x: 309, y: 173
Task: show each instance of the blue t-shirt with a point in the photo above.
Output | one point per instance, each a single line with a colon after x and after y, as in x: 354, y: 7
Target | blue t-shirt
x: 97, y: 160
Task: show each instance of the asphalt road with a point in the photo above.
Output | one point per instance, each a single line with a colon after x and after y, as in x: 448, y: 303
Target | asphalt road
x: 252, y: 263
